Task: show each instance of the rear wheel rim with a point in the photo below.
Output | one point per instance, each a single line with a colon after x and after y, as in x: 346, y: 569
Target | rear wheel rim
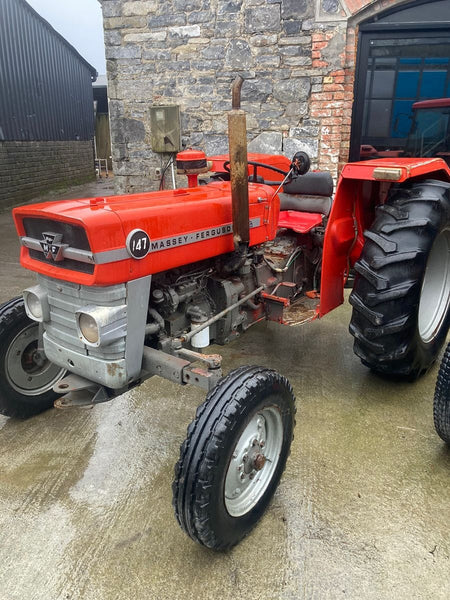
x: 435, y: 293
x: 24, y: 373
x: 254, y: 461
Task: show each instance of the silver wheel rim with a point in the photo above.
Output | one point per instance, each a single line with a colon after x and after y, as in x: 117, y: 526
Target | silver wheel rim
x: 254, y: 461
x: 435, y: 293
x: 24, y: 372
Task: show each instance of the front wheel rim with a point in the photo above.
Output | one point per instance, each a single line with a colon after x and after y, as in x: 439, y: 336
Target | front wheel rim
x: 23, y: 373
x: 435, y: 293
x: 254, y: 461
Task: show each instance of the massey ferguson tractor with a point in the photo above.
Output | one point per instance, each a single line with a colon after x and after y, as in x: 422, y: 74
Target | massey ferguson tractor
x: 133, y: 286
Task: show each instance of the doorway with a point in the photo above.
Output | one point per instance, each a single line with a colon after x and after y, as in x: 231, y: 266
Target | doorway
x: 403, y: 58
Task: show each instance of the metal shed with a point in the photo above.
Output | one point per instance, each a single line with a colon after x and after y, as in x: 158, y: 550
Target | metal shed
x: 46, y: 85
x: 46, y: 107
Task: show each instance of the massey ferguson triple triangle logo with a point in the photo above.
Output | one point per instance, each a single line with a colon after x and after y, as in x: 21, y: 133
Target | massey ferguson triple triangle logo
x: 52, y: 247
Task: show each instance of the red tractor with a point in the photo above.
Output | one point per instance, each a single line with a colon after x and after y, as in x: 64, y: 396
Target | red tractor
x: 134, y: 286
x: 430, y: 130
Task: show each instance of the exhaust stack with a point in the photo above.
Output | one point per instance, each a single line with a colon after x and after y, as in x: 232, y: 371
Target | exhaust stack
x: 237, y: 140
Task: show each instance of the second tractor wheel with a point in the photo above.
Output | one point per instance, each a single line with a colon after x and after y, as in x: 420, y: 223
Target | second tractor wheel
x: 401, y: 296
x: 233, y: 457
x: 441, y: 406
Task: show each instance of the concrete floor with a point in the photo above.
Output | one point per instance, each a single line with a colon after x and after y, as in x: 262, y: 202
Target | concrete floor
x: 362, y: 512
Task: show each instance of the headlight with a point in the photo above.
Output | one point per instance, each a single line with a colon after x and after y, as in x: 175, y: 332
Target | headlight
x: 88, y: 328
x: 36, y: 304
x: 101, y: 325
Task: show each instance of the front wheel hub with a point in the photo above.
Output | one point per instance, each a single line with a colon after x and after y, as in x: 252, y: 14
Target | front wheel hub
x: 28, y: 371
x: 253, y: 462
x: 259, y: 462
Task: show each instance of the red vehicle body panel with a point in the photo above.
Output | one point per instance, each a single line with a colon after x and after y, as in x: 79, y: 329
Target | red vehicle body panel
x: 163, y: 216
x: 410, y: 167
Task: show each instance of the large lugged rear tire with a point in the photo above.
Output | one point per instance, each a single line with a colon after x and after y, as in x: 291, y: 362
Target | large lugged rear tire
x: 233, y: 457
x: 26, y: 377
x: 441, y: 405
x: 401, y: 295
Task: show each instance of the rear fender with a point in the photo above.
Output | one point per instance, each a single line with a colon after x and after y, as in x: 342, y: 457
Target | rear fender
x: 361, y: 187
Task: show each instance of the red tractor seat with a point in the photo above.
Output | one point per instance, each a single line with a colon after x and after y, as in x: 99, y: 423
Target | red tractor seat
x: 308, y: 204
x: 314, y: 183
x: 301, y: 222
x: 310, y: 193
x: 305, y: 201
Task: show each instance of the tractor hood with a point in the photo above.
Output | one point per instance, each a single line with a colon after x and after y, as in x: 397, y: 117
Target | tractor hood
x: 109, y: 240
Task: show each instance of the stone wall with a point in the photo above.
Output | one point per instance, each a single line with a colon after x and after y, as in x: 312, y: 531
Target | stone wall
x: 297, y: 57
x: 30, y: 168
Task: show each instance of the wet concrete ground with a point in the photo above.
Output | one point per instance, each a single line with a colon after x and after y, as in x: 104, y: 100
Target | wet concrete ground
x: 362, y: 512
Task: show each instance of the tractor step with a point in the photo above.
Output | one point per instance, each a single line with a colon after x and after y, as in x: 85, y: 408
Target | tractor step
x: 280, y: 307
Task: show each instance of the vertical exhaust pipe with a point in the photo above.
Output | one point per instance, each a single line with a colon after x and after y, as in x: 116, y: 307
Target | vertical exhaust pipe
x: 237, y: 141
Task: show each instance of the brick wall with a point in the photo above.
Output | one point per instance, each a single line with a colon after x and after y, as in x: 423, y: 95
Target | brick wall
x: 30, y: 168
x: 334, y: 52
x: 297, y: 57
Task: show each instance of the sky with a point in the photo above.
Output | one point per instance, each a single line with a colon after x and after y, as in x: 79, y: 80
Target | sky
x: 80, y: 23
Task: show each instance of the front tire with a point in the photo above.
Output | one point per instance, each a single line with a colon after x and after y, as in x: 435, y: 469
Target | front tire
x: 233, y: 457
x: 26, y: 377
x: 401, y: 295
x: 441, y: 405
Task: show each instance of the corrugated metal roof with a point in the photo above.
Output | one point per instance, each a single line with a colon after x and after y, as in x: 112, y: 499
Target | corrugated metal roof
x: 45, y: 84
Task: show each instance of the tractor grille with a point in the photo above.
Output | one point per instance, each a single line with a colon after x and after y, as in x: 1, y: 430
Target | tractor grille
x: 72, y: 235
x: 64, y: 299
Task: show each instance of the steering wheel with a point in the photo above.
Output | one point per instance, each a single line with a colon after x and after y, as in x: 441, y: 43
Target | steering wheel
x: 300, y: 165
x: 254, y: 176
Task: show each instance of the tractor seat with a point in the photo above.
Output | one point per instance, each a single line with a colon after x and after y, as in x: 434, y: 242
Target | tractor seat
x: 311, y: 193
